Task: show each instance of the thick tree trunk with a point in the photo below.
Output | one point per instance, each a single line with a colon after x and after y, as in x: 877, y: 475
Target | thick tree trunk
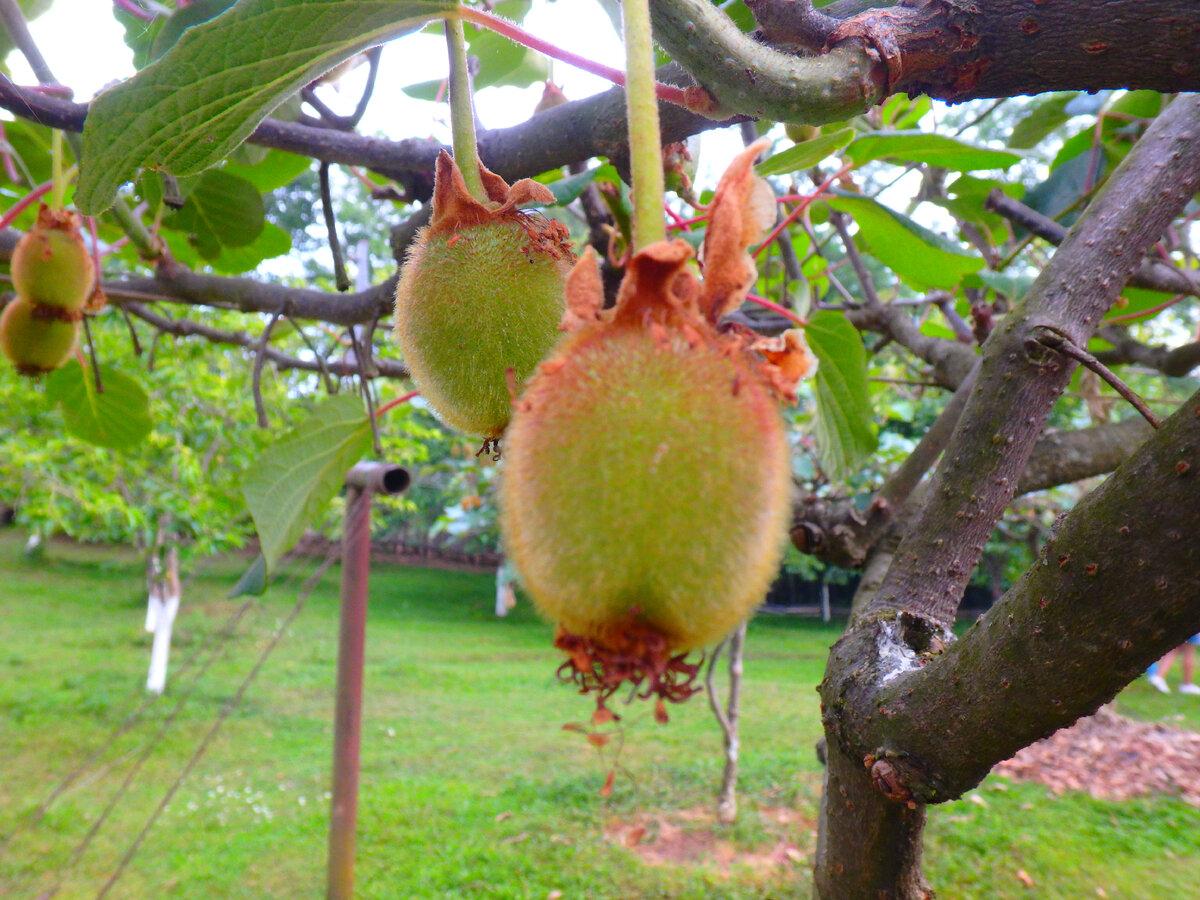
x: 911, y: 717
x: 867, y: 845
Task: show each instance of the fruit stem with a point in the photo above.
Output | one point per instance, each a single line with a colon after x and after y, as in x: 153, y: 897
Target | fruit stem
x: 645, y: 142
x: 462, y: 111
x: 58, y: 193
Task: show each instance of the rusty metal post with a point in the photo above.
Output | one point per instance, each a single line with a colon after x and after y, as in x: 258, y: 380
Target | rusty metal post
x: 364, y: 480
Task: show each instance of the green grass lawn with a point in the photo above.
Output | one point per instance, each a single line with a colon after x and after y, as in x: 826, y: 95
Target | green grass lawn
x: 470, y: 786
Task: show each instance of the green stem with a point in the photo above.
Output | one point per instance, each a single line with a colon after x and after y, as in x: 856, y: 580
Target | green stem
x: 462, y: 111
x: 58, y: 192
x: 645, y: 146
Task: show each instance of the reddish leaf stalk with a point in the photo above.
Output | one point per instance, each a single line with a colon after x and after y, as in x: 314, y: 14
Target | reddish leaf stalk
x: 805, y: 202
x: 775, y: 307
x: 667, y: 92
x: 20, y: 206
x: 396, y: 401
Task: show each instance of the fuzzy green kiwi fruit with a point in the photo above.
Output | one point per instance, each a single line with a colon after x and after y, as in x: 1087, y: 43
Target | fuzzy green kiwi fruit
x: 35, y: 339
x: 480, y: 298
x: 50, y: 264
x: 648, y: 478
x: 646, y: 485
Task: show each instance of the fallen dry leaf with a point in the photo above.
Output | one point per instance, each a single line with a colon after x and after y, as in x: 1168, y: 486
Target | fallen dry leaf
x: 1111, y: 757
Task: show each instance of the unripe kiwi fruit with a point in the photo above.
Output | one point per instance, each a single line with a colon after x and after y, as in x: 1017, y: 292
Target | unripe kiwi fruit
x: 646, y: 477
x: 50, y: 264
x: 480, y: 298
x: 801, y: 133
x: 34, y: 341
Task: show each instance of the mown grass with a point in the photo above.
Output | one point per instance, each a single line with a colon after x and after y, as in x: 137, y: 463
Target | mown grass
x: 470, y: 786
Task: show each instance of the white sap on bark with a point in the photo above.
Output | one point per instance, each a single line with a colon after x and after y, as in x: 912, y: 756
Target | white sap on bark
x: 895, y: 656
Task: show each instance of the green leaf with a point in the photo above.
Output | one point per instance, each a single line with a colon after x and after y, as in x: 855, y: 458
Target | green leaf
x: 805, y: 154
x: 567, y: 189
x: 272, y: 242
x: 920, y: 257
x: 116, y: 417
x: 187, y: 110
x: 502, y: 61
x: 1041, y: 118
x: 900, y: 112
x: 222, y: 210
x: 1138, y: 300
x: 926, y: 147
x: 426, y: 90
x: 1066, y: 185
x: 253, y: 582
x: 291, y: 482
x: 845, y: 430
x: 196, y: 13
x: 1012, y: 286
x: 276, y: 169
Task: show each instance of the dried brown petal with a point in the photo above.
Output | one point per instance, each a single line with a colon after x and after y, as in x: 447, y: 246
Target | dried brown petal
x: 742, y: 210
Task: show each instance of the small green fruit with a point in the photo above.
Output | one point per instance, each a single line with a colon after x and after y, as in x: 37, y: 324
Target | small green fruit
x: 480, y: 299
x: 801, y: 133
x: 646, y: 478
x: 50, y: 264
x: 35, y: 339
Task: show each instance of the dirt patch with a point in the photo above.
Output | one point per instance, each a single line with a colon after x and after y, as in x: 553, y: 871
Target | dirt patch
x: 692, y: 837
x: 1113, y: 758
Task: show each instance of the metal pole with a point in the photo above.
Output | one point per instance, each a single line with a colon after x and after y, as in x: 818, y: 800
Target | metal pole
x: 361, y: 482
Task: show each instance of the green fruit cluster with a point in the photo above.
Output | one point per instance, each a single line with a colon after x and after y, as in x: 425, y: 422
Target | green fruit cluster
x: 53, y: 275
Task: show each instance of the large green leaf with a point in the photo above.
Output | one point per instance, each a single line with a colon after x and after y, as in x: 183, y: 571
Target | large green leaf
x: 275, y: 169
x: 221, y: 210
x: 116, y: 417
x: 927, y: 147
x: 1066, y: 186
x: 196, y: 13
x: 204, y: 96
x: 291, y: 482
x: 1041, y: 118
x: 502, y: 61
x: 845, y: 430
x: 272, y: 242
x: 806, y: 153
x: 922, y: 258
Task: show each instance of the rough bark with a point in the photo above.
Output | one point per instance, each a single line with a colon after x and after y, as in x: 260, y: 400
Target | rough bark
x: 574, y: 132
x: 950, y: 49
x: 1116, y: 587
x: 1174, y: 362
x: 838, y: 532
x: 1020, y: 380
x: 1154, y: 274
x: 867, y: 845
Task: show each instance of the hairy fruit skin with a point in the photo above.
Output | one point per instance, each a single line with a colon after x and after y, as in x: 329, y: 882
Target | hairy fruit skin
x: 646, y: 488
x: 469, y: 307
x: 50, y: 264
x: 36, y: 344
x: 650, y: 478
x: 480, y: 298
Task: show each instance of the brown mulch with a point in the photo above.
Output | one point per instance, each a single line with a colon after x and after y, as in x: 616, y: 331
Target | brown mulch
x: 1113, y: 758
x: 691, y: 837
